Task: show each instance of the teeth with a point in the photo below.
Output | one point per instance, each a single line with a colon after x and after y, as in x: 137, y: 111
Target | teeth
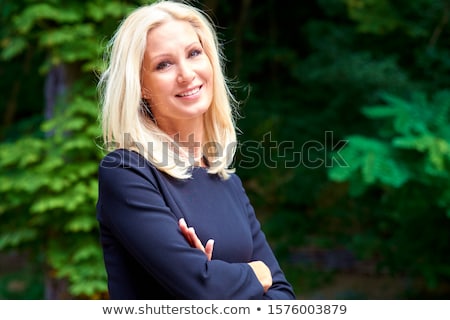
x: 190, y: 93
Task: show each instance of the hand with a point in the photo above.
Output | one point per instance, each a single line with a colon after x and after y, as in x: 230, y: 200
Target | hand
x: 263, y: 274
x: 194, y: 241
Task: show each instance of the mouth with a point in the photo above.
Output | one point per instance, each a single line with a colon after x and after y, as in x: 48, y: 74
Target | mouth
x: 189, y: 92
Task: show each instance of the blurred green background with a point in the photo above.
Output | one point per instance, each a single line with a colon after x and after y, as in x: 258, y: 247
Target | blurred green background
x: 344, y: 150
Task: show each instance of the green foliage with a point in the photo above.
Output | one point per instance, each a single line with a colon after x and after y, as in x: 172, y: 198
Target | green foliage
x: 24, y: 283
x: 49, y: 188
x: 385, y: 16
x: 408, y: 166
x: 418, y: 132
x: 70, y: 31
x: 371, y: 160
x: 48, y: 179
x: 314, y: 76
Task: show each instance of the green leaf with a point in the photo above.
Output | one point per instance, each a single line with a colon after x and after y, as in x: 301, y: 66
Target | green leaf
x: 86, y: 252
x: 48, y: 203
x: 44, y: 11
x: 17, y: 237
x: 12, y: 47
x: 373, y: 161
x: 83, y: 223
x: 66, y: 34
x: 376, y: 112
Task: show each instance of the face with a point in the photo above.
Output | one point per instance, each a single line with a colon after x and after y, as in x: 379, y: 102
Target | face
x: 177, y: 77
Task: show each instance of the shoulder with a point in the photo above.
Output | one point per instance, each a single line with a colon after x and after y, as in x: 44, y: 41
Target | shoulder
x: 122, y: 164
x: 123, y: 158
x: 235, y: 183
x: 235, y: 180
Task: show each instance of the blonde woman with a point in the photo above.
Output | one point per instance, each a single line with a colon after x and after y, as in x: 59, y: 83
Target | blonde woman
x: 175, y: 221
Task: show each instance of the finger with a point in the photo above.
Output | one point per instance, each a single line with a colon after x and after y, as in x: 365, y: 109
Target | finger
x: 209, y: 248
x: 185, y: 231
x: 196, y: 241
x: 183, y: 226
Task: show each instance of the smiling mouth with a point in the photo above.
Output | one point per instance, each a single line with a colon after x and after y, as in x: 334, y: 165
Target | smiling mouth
x: 190, y: 92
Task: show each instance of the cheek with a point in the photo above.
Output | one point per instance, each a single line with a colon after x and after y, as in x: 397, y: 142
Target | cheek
x: 157, y: 85
x: 206, y: 70
x: 208, y: 78
x: 210, y: 73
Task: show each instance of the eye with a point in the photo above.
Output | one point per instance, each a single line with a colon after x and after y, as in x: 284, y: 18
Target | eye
x: 195, y: 52
x: 163, y: 65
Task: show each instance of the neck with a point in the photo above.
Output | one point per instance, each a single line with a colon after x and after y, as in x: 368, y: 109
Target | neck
x: 189, y: 137
x: 190, y: 143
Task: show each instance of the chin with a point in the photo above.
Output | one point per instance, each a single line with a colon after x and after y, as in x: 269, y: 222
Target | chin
x: 197, y: 113
x: 199, y: 109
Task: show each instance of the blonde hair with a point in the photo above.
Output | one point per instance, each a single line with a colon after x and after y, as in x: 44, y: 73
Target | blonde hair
x: 124, y: 122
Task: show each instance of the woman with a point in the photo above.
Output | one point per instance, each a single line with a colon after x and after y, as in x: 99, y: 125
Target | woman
x: 175, y: 221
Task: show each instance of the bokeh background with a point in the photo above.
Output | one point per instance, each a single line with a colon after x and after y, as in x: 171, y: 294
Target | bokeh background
x: 344, y: 144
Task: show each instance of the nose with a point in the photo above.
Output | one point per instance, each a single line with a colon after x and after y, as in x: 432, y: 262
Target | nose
x: 185, y: 72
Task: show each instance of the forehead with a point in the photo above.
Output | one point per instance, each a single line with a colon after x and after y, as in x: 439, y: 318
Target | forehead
x: 171, y: 34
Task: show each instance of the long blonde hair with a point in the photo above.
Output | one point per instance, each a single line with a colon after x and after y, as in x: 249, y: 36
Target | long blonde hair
x: 125, y: 123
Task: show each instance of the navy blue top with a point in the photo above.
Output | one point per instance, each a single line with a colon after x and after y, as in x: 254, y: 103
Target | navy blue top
x: 147, y: 257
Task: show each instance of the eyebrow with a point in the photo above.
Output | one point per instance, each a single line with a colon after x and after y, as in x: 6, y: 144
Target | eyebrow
x: 162, y: 55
